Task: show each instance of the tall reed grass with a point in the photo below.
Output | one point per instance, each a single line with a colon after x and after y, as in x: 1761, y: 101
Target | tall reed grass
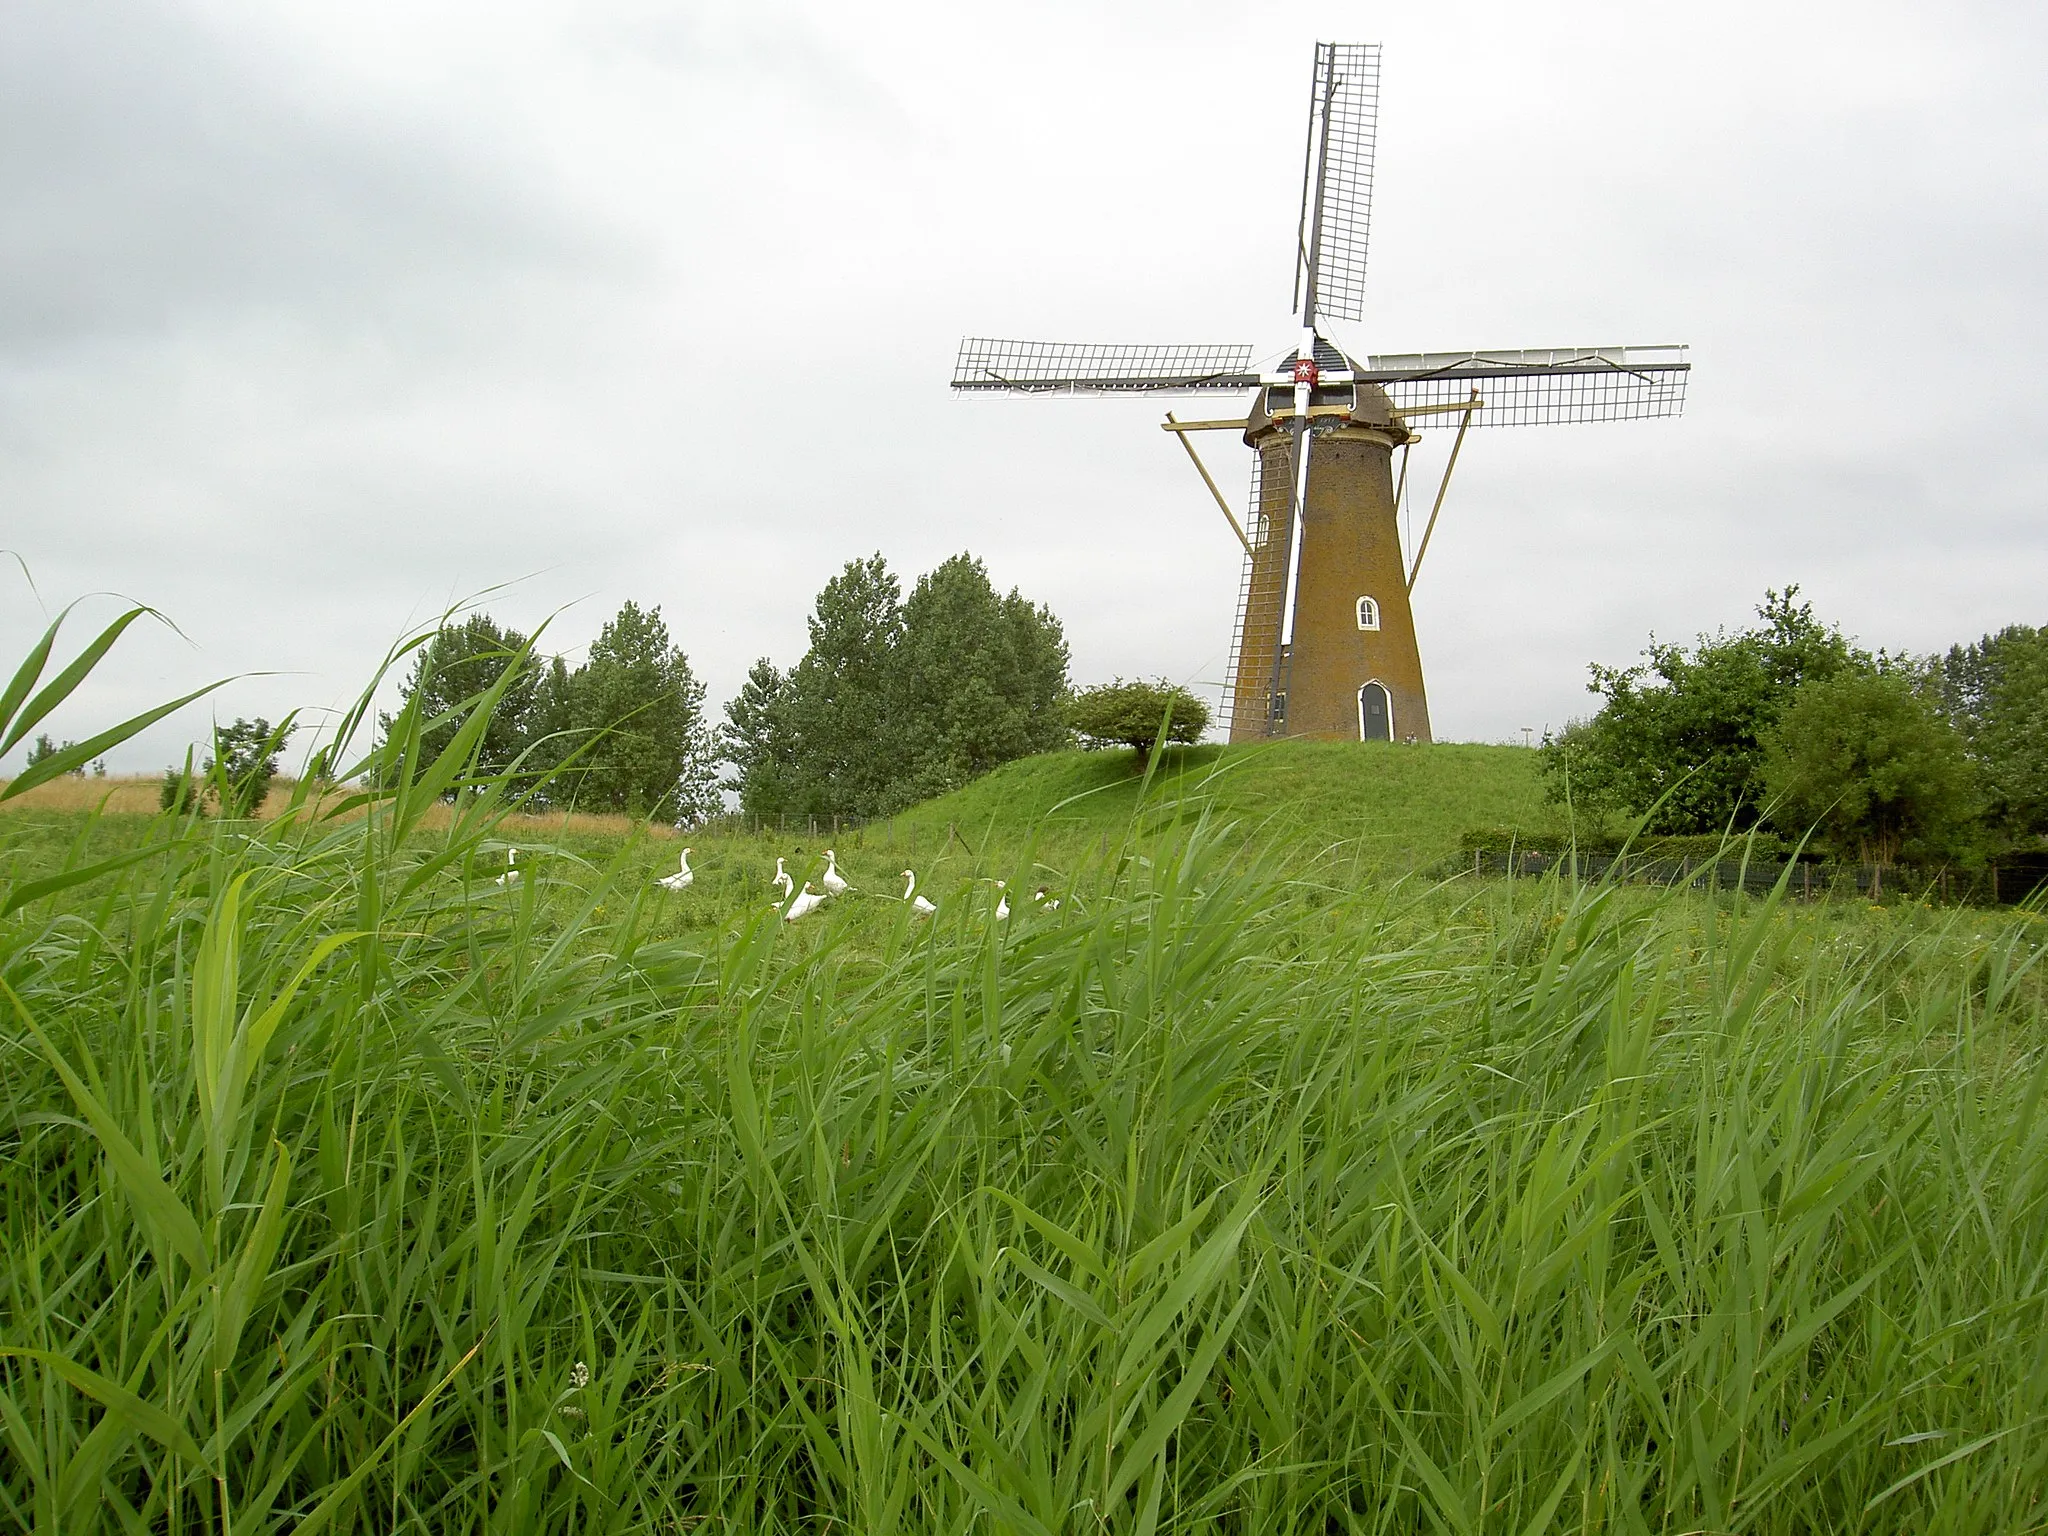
x: 346, y: 1190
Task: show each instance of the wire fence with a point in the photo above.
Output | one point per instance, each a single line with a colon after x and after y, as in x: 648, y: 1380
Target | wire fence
x: 2004, y: 884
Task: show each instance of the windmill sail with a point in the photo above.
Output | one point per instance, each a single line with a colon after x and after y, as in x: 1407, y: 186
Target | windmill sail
x: 1091, y: 368
x: 1336, y: 192
x: 1536, y: 386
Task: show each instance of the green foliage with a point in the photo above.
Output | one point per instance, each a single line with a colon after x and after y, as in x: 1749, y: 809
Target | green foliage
x: 896, y: 700
x: 459, y: 664
x: 1866, y: 757
x: 1140, y: 715
x: 1680, y: 735
x: 848, y: 752
x: 1996, y: 691
x: 623, y: 732
x: 641, y: 710
x: 243, y: 763
x: 182, y: 792
x: 757, y: 741
x: 43, y: 750
x: 978, y: 678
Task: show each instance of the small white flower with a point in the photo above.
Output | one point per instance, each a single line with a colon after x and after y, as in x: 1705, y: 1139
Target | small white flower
x: 579, y: 1375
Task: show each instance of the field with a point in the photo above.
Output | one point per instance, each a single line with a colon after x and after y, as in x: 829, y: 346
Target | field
x: 1276, y: 1181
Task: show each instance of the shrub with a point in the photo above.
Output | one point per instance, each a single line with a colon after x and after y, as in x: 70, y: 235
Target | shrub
x: 1140, y: 715
x: 181, y: 793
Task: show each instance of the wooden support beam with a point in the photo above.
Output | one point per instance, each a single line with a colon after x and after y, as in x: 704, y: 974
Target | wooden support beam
x: 1170, y: 425
x: 1474, y: 404
x: 1181, y: 430
x: 1471, y: 408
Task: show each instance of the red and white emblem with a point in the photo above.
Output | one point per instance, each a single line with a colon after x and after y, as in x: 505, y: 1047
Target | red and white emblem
x: 1305, y: 371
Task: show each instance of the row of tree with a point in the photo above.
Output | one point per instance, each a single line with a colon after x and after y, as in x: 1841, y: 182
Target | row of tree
x: 897, y: 699
x: 1789, y: 723
x: 625, y: 731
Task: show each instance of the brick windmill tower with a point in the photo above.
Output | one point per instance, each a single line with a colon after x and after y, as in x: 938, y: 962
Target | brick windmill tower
x: 1324, y: 644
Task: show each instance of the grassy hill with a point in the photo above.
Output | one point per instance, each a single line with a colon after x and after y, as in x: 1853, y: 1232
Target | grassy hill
x: 1392, y: 807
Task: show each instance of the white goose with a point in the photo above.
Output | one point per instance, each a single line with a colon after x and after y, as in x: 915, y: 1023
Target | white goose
x: 680, y: 880
x: 1002, y: 901
x: 918, y: 904
x: 807, y: 901
x: 832, y: 880
x: 511, y: 875
x: 1047, y: 902
x: 782, y: 881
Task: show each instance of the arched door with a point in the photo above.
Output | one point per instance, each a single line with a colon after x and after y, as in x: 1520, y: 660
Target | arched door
x: 1375, y: 713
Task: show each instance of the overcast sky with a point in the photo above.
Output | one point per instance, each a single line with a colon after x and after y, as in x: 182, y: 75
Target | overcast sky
x: 315, y: 319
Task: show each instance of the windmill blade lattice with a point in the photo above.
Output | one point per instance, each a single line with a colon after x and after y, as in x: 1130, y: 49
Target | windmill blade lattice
x: 1537, y: 386
x: 1093, y: 368
x: 1348, y: 76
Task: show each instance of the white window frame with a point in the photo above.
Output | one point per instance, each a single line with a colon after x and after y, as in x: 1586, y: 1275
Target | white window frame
x: 1369, y: 609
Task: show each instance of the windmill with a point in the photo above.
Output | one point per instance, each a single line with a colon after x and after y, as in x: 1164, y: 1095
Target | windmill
x: 1324, y: 641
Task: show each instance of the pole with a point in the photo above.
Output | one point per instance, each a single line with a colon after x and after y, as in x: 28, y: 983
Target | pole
x: 1203, y: 470
x: 1304, y: 391
x: 1442, y: 490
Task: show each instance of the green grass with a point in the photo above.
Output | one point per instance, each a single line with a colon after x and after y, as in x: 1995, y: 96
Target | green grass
x: 345, y: 1190
x: 1388, y: 807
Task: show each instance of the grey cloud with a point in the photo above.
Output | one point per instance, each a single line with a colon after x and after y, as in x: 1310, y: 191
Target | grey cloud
x: 155, y: 173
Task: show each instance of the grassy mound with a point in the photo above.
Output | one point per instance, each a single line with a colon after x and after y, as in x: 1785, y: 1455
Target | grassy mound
x: 1387, y: 807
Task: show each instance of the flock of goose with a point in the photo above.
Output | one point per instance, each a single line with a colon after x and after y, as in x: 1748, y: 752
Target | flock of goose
x: 797, y: 904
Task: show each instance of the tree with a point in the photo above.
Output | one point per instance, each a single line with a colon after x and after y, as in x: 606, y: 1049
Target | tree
x: 42, y: 747
x: 757, y: 741
x: 1121, y: 714
x: 1865, y: 757
x: 898, y: 700
x: 978, y: 678
x: 1686, y: 728
x: 650, y: 752
x: 1996, y: 693
x: 848, y: 753
x: 243, y: 763
x: 461, y: 662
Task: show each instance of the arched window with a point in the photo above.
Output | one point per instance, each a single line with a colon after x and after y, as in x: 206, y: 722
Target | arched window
x: 1368, y: 613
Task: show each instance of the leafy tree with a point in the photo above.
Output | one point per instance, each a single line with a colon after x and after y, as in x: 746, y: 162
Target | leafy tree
x: 550, y: 722
x: 42, y: 747
x: 243, y: 763
x: 1122, y: 714
x: 462, y: 661
x: 979, y: 679
x: 896, y: 699
x: 757, y: 741
x: 848, y: 752
x: 1865, y: 756
x: 650, y: 752
x: 1996, y: 692
x: 1687, y: 727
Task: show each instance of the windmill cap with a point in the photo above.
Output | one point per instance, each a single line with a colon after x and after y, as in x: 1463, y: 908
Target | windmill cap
x: 1362, y: 404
